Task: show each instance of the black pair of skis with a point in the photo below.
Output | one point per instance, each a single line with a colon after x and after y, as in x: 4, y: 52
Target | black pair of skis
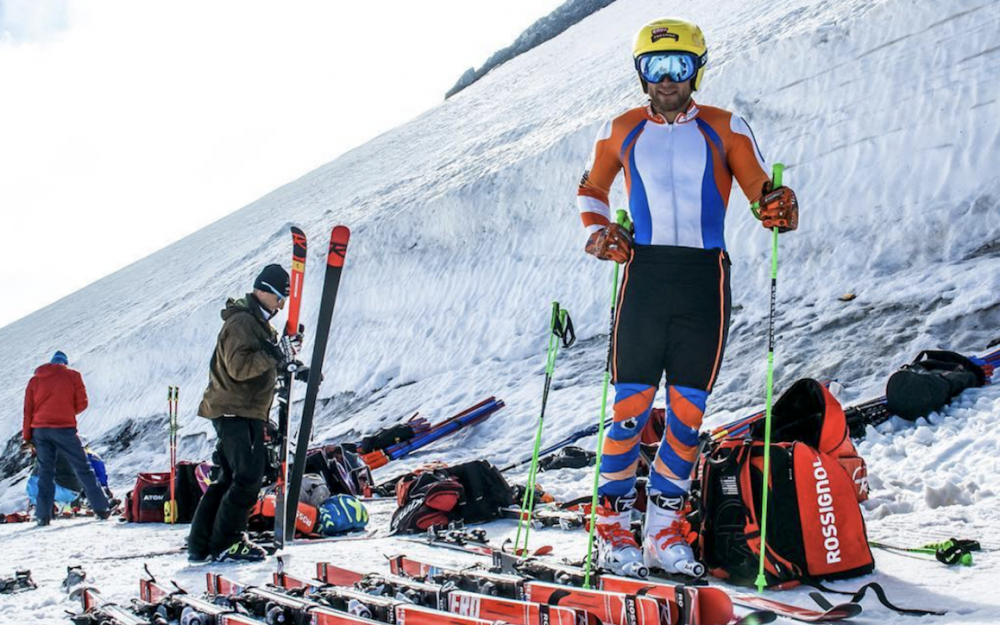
x: 289, y: 485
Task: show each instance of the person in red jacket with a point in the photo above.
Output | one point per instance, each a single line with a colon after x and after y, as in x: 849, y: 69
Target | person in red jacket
x: 55, y: 395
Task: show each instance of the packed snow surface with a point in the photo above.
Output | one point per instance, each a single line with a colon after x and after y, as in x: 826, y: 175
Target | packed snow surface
x: 465, y: 230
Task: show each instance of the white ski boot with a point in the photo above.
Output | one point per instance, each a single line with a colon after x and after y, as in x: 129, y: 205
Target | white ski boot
x: 617, y: 551
x: 664, y: 543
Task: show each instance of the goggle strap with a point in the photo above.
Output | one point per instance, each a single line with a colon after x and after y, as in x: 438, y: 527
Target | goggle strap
x: 273, y: 290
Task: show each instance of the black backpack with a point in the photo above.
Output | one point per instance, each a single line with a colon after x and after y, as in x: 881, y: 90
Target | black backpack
x: 426, y: 499
x: 486, y: 491
x: 187, y: 491
x: 386, y: 437
x: 930, y: 382
x: 483, y: 492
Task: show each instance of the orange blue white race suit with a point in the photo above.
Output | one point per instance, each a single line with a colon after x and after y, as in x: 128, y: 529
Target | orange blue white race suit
x: 674, y: 301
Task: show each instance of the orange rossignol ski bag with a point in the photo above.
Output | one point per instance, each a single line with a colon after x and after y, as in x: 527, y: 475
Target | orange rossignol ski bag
x: 815, y: 526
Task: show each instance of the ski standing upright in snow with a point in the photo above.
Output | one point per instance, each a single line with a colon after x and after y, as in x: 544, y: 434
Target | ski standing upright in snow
x: 339, y: 238
x: 299, y: 248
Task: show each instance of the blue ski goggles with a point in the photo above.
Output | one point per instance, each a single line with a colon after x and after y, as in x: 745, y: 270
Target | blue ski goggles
x: 674, y: 66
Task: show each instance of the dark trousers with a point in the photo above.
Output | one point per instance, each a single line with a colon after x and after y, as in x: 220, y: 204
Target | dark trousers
x: 50, y: 443
x: 673, y: 315
x: 240, y: 458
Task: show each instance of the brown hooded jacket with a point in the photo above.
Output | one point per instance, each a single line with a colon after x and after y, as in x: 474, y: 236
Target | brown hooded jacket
x: 244, y: 366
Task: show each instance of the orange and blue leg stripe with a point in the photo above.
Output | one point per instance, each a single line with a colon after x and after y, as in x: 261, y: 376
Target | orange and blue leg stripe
x: 678, y: 449
x: 620, y: 454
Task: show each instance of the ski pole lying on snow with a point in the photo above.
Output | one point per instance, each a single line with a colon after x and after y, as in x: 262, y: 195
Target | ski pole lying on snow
x: 560, y: 331
x: 622, y: 220
x: 950, y: 552
x: 761, y: 581
x: 590, y: 430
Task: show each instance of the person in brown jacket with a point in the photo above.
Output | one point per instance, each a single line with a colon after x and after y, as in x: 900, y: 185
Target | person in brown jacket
x: 55, y: 395
x: 242, y: 381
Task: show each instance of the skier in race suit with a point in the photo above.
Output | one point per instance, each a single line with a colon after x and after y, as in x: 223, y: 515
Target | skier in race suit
x: 672, y: 319
x: 54, y: 397
x: 242, y: 381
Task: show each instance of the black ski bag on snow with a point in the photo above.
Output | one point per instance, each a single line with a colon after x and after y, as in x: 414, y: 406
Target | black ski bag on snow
x: 932, y: 380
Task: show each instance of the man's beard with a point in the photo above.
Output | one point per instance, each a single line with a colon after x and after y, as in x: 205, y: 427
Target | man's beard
x: 670, y: 103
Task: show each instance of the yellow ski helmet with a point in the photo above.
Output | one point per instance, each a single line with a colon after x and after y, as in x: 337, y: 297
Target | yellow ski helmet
x: 670, y: 34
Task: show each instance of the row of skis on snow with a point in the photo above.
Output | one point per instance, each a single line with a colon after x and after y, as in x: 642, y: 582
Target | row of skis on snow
x: 534, y: 589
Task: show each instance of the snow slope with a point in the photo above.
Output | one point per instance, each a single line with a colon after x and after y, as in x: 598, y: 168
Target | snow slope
x: 465, y: 229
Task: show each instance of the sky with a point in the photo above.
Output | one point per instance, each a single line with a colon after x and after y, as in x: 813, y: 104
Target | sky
x: 126, y: 125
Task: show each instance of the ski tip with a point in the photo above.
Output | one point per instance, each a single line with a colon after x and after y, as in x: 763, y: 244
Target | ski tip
x: 298, y: 249
x: 339, y: 238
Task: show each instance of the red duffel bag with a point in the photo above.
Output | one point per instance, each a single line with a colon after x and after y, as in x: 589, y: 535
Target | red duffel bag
x: 145, y: 504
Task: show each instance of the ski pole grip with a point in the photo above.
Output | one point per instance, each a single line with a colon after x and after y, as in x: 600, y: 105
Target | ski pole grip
x: 776, y: 173
x: 566, y: 331
x: 554, y: 323
x: 565, y: 325
x: 621, y: 218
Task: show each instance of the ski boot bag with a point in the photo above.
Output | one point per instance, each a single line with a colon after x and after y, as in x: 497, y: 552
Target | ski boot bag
x: 815, y: 527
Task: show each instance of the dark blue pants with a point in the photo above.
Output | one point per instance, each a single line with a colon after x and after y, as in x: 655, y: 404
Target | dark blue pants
x: 48, y: 443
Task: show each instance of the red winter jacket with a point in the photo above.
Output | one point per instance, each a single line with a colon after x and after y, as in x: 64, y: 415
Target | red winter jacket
x: 54, y: 397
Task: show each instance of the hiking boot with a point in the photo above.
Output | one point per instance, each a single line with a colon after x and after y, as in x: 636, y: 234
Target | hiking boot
x: 617, y: 550
x: 103, y: 515
x: 665, y: 537
x: 242, y: 551
x: 200, y: 558
x: 43, y: 522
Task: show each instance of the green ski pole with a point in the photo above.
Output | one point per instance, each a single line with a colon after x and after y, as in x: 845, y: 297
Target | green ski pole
x: 761, y: 581
x: 560, y: 330
x: 949, y: 552
x: 622, y: 220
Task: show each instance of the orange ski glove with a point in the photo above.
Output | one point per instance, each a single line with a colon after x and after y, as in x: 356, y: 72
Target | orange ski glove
x: 779, y: 207
x: 612, y: 243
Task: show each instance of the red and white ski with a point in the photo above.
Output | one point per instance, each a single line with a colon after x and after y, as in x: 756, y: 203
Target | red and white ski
x: 314, y: 596
x: 177, y: 605
x: 299, y: 249
x: 463, y: 602
x: 278, y: 607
